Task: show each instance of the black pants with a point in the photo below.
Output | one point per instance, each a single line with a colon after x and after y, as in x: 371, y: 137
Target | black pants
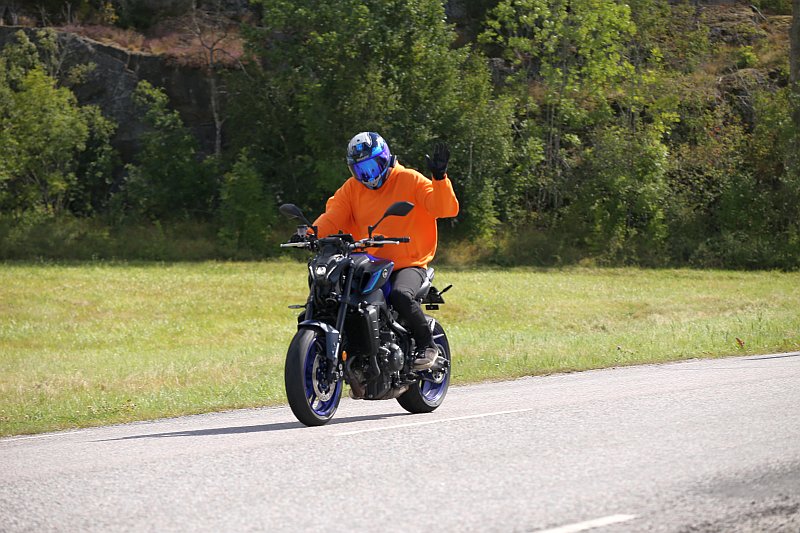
x: 405, y: 284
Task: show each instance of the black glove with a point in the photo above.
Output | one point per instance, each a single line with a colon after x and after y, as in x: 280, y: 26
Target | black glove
x: 296, y: 238
x: 438, y: 163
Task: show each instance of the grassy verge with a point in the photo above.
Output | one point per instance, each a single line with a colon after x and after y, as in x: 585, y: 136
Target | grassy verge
x: 102, y: 343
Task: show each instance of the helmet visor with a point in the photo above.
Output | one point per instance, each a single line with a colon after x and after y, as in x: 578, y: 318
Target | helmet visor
x: 370, y: 170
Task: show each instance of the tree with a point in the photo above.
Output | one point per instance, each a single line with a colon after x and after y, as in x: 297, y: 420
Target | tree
x: 327, y: 70
x: 480, y: 131
x: 212, y: 29
x: 566, y: 57
x: 794, y: 67
x: 246, y: 213
x: 43, y: 134
x: 618, y: 207
x: 794, y: 37
x: 168, y: 180
x: 345, y: 66
x: 42, y: 130
x: 793, y: 180
x: 92, y: 193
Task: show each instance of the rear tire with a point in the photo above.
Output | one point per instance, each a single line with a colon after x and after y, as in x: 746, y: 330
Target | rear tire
x: 425, y: 396
x: 312, y: 399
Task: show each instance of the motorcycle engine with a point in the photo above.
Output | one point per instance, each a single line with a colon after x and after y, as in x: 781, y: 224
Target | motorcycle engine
x: 388, y: 361
x: 379, y: 374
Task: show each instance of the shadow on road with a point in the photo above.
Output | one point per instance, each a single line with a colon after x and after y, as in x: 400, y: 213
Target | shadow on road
x: 251, y: 429
x: 780, y: 356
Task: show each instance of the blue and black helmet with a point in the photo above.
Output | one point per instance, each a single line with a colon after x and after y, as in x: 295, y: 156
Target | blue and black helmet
x: 369, y: 159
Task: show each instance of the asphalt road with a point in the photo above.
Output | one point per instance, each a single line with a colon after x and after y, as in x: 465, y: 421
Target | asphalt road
x: 695, y: 446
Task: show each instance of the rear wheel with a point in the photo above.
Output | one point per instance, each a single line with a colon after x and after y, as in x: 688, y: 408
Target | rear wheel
x: 312, y: 397
x: 428, y: 393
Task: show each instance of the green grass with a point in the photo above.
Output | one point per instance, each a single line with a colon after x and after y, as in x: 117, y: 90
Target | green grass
x: 100, y: 343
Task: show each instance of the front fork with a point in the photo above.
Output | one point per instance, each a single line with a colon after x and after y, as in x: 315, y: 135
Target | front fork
x: 333, y: 335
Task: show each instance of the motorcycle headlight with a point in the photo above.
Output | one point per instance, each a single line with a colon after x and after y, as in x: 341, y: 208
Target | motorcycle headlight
x: 320, y: 271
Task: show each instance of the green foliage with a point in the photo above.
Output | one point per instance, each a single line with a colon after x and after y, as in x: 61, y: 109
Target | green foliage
x: 168, y: 180
x: 746, y: 33
x: 42, y: 131
x: 774, y: 159
x: 91, y: 193
x: 246, y: 213
x: 340, y: 67
x: 619, y: 201
x: 613, y: 131
x: 49, y: 145
x: 708, y: 183
x: 746, y: 57
x: 775, y: 7
x: 17, y: 59
x: 732, y: 195
x: 574, y: 53
x: 481, y: 140
x: 24, y: 54
x: 683, y: 40
x: 41, y: 237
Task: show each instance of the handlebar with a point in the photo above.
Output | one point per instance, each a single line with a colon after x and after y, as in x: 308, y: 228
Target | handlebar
x: 380, y: 241
x: 363, y: 243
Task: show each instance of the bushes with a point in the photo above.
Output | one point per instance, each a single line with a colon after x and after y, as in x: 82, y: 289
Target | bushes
x: 619, y: 197
x: 169, y: 180
x: 246, y: 212
x: 746, y: 57
x: 42, y: 236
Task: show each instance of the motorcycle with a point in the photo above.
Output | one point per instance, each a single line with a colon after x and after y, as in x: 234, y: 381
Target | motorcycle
x: 349, y: 333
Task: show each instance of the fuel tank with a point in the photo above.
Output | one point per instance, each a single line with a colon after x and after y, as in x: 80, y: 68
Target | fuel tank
x: 371, y: 273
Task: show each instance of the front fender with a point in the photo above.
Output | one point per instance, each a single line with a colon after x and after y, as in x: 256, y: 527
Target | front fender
x: 332, y: 336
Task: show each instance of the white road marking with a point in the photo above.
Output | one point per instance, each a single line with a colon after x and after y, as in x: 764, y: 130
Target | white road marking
x: 427, y: 422
x: 42, y: 436
x: 590, y: 524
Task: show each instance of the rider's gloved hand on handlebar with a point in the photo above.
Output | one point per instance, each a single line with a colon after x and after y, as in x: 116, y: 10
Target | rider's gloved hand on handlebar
x: 297, y: 238
x: 438, y: 163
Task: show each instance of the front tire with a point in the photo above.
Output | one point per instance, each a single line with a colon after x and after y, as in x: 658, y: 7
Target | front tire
x: 426, y: 395
x: 312, y: 398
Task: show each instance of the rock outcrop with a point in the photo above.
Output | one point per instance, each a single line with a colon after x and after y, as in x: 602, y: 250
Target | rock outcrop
x: 111, y: 83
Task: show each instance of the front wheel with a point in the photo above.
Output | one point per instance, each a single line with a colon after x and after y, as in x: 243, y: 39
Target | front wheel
x: 428, y: 392
x: 311, y: 396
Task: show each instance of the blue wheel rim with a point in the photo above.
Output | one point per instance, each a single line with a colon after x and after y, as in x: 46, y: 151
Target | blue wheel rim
x: 322, y: 408
x: 431, y: 391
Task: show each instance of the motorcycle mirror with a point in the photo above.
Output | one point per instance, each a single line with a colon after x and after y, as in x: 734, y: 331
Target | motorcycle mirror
x: 292, y: 211
x: 397, y: 209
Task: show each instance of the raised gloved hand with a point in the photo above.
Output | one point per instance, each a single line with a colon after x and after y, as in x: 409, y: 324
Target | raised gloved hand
x: 438, y: 163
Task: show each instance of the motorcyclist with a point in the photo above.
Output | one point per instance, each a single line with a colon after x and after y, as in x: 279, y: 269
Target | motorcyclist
x: 377, y: 181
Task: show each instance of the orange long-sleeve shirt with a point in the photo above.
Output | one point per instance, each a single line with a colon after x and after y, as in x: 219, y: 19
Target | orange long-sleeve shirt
x: 354, y: 207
